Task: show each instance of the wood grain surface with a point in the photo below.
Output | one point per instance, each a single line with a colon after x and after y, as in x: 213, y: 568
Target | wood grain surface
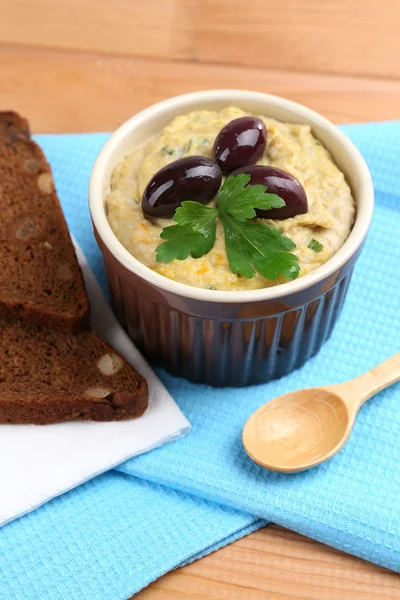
x: 325, y: 36
x: 276, y: 564
x: 87, y: 65
x: 68, y: 91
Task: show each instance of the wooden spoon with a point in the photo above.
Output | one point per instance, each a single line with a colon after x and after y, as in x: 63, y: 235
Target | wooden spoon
x: 302, y: 429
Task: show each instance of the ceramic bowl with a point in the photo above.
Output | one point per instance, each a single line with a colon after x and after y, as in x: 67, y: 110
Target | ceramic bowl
x: 228, y: 338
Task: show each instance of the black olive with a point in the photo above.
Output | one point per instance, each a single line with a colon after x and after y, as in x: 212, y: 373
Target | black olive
x: 281, y: 183
x: 241, y: 142
x: 194, y: 178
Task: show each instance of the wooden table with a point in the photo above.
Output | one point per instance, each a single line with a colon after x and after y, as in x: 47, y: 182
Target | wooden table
x: 87, y: 65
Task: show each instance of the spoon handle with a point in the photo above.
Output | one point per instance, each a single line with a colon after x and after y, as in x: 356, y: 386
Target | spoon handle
x: 370, y: 383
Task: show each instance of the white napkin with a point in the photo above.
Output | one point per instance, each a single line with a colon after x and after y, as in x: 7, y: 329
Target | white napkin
x: 39, y: 462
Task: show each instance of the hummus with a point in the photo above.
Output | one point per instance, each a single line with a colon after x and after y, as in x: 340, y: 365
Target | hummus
x: 290, y: 147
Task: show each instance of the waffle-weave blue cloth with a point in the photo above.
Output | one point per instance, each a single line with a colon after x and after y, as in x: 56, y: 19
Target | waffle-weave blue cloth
x: 112, y: 536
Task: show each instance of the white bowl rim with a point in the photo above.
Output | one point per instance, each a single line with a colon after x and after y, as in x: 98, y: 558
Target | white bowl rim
x: 350, y: 247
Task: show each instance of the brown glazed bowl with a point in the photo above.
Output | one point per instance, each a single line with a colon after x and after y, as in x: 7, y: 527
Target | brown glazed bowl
x: 226, y: 338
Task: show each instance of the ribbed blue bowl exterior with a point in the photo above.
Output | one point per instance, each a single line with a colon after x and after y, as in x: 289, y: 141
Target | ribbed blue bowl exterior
x: 222, y: 351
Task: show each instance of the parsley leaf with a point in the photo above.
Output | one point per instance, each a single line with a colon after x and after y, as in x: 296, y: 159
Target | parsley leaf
x: 250, y: 246
x: 240, y: 201
x: 256, y: 246
x: 315, y: 245
x: 194, y: 233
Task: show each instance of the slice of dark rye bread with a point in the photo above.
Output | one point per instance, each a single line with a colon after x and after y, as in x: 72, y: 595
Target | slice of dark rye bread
x: 40, y: 279
x: 48, y: 377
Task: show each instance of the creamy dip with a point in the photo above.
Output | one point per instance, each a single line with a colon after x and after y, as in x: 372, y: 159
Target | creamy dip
x: 290, y: 147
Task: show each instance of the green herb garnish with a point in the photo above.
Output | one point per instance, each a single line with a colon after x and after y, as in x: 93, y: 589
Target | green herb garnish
x: 240, y: 201
x: 260, y: 246
x: 189, y: 145
x: 315, y: 245
x: 168, y: 150
x: 249, y: 245
x: 194, y: 234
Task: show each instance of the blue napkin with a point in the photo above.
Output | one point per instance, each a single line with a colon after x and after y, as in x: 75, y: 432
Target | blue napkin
x: 112, y: 536
x: 109, y: 538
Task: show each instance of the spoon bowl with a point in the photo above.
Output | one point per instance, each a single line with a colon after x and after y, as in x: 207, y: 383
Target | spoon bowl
x: 274, y: 436
x: 301, y: 429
